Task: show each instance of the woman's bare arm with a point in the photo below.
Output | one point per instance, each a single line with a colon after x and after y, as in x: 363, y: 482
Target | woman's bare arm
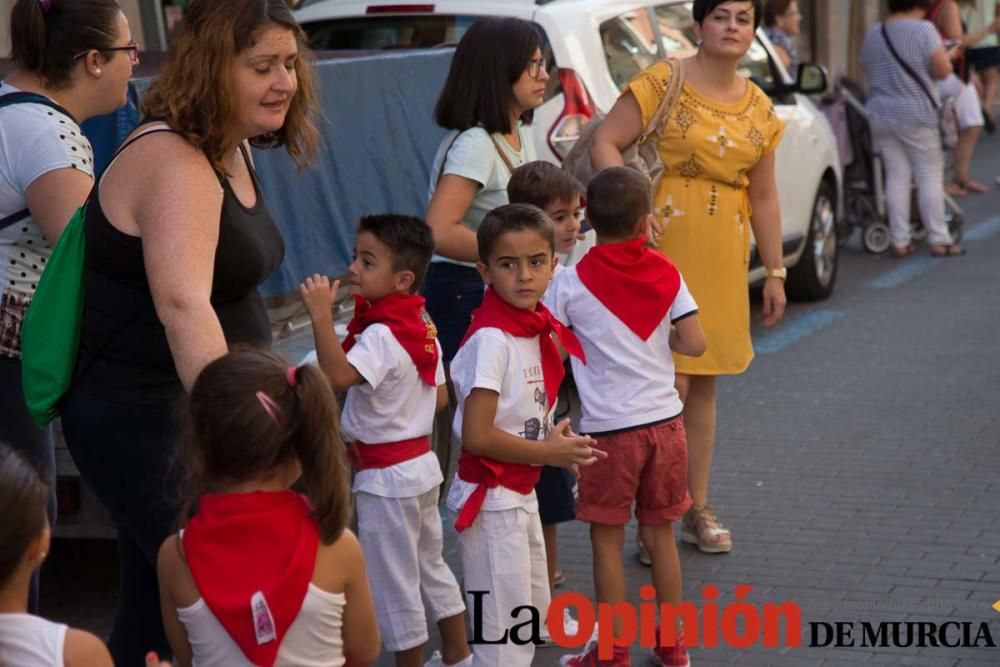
x: 766, y: 223
x: 452, y: 199
x: 619, y: 130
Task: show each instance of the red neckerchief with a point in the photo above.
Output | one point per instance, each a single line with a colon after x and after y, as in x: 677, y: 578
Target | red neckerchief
x: 408, y: 321
x: 636, y: 284
x: 239, y: 544
x: 498, y: 314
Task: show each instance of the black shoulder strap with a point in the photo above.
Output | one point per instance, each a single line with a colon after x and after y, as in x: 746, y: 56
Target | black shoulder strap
x: 32, y: 98
x: 14, y: 218
x: 908, y: 69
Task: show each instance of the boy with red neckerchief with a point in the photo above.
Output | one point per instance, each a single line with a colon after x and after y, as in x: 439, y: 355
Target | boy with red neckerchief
x: 630, y: 307
x: 390, y: 366
x: 507, y: 374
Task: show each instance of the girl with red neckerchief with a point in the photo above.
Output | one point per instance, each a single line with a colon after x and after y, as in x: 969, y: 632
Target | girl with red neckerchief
x: 261, y: 574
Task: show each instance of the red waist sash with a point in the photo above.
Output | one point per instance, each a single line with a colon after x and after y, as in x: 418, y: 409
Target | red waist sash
x: 366, y: 457
x: 489, y: 474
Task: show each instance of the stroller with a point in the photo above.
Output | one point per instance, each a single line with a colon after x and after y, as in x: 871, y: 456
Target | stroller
x: 864, y: 178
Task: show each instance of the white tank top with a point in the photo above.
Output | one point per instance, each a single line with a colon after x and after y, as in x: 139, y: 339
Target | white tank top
x: 313, y: 640
x: 30, y: 641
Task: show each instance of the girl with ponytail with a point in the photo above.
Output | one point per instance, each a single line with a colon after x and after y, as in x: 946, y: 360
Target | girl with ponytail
x: 261, y: 574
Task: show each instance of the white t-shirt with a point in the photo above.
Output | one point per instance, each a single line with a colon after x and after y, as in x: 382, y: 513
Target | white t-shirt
x: 473, y: 156
x: 34, y: 140
x: 627, y: 381
x: 511, y: 366
x: 30, y: 641
x: 393, y: 404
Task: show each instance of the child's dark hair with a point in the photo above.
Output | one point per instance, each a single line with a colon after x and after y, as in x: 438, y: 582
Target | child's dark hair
x: 617, y: 198
x: 702, y: 8
x: 512, y: 218
x: 46, y: 39
x: 24, y: 498
x: 230, y: 435
x: 409, y: 239
x: 541, y: 183
x: 491, y: 56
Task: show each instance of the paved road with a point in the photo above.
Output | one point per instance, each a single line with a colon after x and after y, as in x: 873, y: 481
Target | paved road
x: 858, y: 464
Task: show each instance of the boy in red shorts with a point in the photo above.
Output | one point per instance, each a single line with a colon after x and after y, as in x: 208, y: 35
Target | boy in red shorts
x: 630, y: 309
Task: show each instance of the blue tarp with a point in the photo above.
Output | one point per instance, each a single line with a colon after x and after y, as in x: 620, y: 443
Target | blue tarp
x: 379, y: 138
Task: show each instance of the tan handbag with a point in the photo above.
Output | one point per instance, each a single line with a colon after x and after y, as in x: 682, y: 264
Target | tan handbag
x: 642, y: 154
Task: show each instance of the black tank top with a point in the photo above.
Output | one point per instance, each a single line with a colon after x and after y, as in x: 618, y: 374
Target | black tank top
x: 124, y: 355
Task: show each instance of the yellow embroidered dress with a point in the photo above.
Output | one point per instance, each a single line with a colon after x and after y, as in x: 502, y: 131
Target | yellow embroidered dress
x: 704, y: 206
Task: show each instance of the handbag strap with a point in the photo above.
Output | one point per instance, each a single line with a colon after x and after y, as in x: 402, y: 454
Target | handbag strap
x: 909, y: 70
x: 503, y: 154
x: 670, y: 97
x: 14, y: 218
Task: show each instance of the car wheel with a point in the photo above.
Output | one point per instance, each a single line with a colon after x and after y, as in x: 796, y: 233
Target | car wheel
x: 876, y: 237
x: 813, y: 277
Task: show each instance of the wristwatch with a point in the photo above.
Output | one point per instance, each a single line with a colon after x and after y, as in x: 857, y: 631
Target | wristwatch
x: 780, y: 272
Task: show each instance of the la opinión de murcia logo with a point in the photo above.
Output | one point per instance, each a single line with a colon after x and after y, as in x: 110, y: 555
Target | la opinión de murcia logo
x: 738, y: 624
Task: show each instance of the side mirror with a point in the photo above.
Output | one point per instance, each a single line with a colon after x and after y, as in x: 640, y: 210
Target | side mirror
x: 811, y: 79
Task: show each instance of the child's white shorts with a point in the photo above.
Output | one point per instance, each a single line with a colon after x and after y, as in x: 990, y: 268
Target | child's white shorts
x: 503, y: 552
x: 401, y: 539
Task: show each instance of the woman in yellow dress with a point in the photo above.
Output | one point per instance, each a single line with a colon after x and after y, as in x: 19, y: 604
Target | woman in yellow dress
x: 718, y: 150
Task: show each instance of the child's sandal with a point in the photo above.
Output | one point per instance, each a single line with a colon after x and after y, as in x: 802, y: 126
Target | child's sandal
x: 701, y: 527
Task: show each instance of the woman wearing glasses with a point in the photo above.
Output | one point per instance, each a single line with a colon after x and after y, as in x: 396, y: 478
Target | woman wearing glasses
x: 488, y: 98
x: 73, y: 59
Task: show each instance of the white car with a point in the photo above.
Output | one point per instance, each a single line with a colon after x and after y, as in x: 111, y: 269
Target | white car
x: 593, y: 48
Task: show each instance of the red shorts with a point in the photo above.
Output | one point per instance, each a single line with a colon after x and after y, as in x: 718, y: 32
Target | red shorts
x: 645, y: 465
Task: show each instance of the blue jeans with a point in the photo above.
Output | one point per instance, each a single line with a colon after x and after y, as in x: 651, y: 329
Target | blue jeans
x: 124, y: 453
x: 19, y: 431
x: 452, y: 292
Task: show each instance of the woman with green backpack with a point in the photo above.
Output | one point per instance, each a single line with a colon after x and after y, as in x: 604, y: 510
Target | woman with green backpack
x: 72, y: 59
x: 178, y: 239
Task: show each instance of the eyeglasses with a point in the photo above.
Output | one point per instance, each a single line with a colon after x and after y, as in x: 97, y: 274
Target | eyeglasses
x: 536, y: 67
x: 131, y: 47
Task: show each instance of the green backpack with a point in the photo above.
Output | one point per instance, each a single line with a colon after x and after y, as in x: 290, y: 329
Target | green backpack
x: 50, y: 333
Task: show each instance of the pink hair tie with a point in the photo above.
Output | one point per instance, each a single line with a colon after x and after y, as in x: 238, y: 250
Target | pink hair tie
x: 291, y: 376
x: 46, y: 6
x: 272, y: 409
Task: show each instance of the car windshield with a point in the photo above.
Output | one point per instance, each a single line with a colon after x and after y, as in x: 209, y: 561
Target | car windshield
x: 412, y: 31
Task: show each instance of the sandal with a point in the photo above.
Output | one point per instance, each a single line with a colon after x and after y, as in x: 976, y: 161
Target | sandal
x: 956, y: 189
x: 946, y: 250
x: 701, y: 527
x: 558, y: 579
x: 905, y: 251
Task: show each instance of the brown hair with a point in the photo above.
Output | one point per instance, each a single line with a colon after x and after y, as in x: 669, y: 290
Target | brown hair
x: 617, y: 199
x: 773, y: 9
x: 23, y: 497
x: 541, y: 183
x: 229, y: 437
x: 193, y: 93
x: 48, y: 40
x: 512, y: 218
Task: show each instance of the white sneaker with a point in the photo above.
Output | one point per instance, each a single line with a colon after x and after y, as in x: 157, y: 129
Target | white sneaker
x: 437, y: 661
x: 570, y: 626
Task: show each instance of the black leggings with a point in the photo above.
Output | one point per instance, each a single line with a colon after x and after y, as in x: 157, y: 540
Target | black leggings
x: 19, y: 431
x: 124, y: 453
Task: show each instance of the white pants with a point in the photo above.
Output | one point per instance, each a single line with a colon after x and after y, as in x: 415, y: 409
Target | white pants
x: 402, y: 542
x: 503, y: 552
x: 912, y: 152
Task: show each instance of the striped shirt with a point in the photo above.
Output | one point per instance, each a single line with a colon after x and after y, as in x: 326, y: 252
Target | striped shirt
x: 893, y: 94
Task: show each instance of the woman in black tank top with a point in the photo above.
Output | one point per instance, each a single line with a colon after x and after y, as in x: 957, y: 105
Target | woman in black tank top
x: 178, y: 240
